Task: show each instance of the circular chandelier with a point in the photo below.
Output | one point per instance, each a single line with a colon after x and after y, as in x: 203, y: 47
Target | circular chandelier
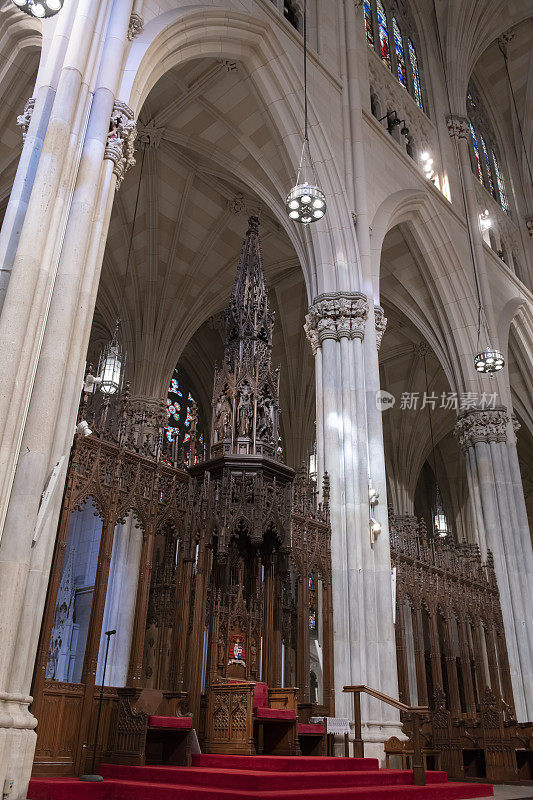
x: 305, y: 202
x: 489, y: 361
x: 39, y: 8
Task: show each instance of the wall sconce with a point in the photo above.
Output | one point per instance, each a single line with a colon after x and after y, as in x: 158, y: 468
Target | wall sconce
x: 427, y: 165
x: 485, y: 221
x: 393, y: 121
x: 375, y: 526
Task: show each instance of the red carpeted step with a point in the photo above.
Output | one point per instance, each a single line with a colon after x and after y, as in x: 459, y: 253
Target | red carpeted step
x: 255, y: 779
x: 70, y: 789
x: 284, y: 763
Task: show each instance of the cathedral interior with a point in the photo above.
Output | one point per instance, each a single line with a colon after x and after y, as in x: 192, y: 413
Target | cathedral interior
x: 266, y: 482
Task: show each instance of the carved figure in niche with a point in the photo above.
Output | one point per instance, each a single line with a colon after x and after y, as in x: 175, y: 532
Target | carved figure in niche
x: 245, y: 411
x: 237, y: 650
x: 264, y: 418
x: 221, y: 647
x: 223, y: 417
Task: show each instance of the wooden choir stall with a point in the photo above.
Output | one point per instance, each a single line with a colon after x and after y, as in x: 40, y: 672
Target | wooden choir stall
x: 215, y: 574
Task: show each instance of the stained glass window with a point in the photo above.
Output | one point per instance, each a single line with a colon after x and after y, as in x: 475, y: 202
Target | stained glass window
x: 476, y: 153
x: 417, y: 88
x: 180, y: 415
x: 384, y: 49
x: 312, y: 601
x: 369, y: 27
x: 400, y: 57
x: 487, y: 165
x: 504, y: 202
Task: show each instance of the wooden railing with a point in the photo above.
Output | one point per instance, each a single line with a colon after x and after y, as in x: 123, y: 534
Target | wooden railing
x: 419, y: 775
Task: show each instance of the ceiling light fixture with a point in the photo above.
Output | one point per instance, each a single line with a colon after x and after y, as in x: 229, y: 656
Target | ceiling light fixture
x: 488, y: 360
x: 305, y: 202
x: 41, y: 9
x: 113, y: 358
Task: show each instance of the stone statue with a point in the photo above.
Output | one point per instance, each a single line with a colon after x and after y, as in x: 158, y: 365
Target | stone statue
x: 264, y: 418
x: 244, y: 411
x: 223, y: 417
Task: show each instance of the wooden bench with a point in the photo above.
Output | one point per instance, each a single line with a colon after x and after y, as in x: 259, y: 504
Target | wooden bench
x: 248, y: 718
x: 404, y: 751
x: 149, y: 728
x: 311, y: 735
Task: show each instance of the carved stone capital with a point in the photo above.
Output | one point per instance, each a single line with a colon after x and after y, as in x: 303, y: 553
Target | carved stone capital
x: 23, y: 120
x: 458, y: 126
x: 335, y: 315
x: 136, y: 26
x: 121, y: 140
x: 529, y: 223
x: 488, y: 425
x: 506, y: 38
x: 150, y: 134
x: 380, y: 321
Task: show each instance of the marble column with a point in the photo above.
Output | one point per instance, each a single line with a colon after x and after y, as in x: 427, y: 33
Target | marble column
x: 120, y: 602
x: 364, y: 648
x: 487, y: 439
x: 459, y: 130
x: 44, y: 331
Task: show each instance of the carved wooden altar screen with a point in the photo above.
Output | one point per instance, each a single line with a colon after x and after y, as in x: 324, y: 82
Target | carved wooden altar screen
x: 452, y: 653
x: 207, y: 571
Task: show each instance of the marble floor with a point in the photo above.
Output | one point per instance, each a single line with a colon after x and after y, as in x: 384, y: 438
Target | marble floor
x: 508, y: 791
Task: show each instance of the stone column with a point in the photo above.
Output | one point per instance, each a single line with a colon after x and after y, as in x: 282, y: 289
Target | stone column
x: 484, y: 438
x: 365, y: 651
x: 44, y: 330
x: 120, y: 602
x: 459, y: 129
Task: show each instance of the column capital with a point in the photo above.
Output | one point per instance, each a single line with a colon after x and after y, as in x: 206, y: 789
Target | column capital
x: 136, y: 26
x: 24, y: 119
x: 487, y: 425
x: 334, y: 315
x: 380, y: 321
x: 120, y: 144
x: 458, y: 126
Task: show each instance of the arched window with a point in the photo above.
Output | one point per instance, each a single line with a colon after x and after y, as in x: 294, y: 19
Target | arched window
x: 485, y: 162
x: 504, y: 202
x: 396, y: 27
x: 476, y: 153
x: 290, y: 14
x: 384, y: 48
x: 417, y: 88
x: 400, y: 57
x: 487, y: 165
x: 369, y: 25
x: 180, y: 401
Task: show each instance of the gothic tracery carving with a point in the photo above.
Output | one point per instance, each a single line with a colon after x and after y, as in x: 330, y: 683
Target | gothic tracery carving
x: 334, y: 315
x: 120, y: 145
x: 136, y: 26
x: 380, y: 321
x: 24, y: 119
x: 489, y: 425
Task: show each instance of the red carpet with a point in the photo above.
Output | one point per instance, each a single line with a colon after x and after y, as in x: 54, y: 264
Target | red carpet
x: 258, y: 778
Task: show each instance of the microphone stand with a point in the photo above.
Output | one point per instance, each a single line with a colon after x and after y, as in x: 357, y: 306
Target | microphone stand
x: 93, y: 777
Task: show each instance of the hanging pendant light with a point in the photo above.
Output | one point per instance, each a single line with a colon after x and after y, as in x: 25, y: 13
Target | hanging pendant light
x: 110, y: 366
x: 489, y: 361
x: 113, y: 358
x: 440, y: 522
x: 305, y: 202
x: 39, y: 8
